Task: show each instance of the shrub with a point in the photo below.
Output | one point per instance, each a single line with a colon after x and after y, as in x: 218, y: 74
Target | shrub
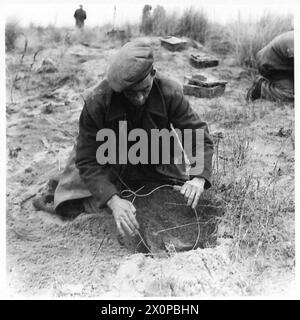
x: 217, y: 39
x: 55, y: 34
x: 193, y: 24
x: 170, y: 25
x: 256, y: 206
x: 12, y: 32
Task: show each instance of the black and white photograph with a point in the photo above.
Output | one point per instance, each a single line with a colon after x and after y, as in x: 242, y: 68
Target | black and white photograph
x: 149, y: 149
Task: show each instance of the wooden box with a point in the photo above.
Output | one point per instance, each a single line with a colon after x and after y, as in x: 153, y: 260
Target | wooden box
x: 203, y: 87
x: 173, y: 43
x: 203, y: 60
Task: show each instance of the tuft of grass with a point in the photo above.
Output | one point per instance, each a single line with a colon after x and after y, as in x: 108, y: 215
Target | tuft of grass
x: 233, y: 117
x: 169, y: 25
x: 193, y: 24
x: 54, y: 34
x: 258, y: 211
x: 218, y: 40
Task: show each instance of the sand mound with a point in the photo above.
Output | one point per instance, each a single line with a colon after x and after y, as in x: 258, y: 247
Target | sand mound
x: 203, y: 272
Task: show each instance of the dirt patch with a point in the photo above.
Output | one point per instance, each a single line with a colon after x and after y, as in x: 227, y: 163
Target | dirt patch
x: 167, y: 223
x: 46, y: 252
x: 48, y: 255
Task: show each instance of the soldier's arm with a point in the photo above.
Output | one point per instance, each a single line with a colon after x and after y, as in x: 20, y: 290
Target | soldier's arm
x: 183, y: 117
x: 98, y: 178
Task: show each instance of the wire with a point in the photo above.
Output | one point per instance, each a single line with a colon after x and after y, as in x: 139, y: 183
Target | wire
x: 183, y: 225
x: 199, y: 205
x: 143, y: 241
x: 199, y: 230
x: 145, y: 194
x: 135, y: 194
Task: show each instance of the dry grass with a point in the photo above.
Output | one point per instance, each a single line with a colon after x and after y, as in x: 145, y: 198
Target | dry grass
x: 218, y: 40
x: 258, y: 210
x: 192, y: 23
x: 53, y: 37
x: 248, y: 37
x: 258, y: 204
x: 241, y: 38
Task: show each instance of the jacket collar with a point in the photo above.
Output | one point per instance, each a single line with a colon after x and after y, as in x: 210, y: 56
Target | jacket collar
x: 155, y: 104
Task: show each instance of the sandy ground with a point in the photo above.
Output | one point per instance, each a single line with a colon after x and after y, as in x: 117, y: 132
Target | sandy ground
x: 83, y: 258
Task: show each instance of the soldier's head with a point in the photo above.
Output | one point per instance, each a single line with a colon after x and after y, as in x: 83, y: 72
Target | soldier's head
x: 80, y: 6
x: 131, y: 72
x: 139, y: 92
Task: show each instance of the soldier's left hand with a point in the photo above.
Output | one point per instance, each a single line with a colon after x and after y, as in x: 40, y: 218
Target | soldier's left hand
x: 192, y: 190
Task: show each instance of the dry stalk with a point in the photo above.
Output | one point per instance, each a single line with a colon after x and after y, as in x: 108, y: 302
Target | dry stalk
x: 31, y: 65
x: 20, y: 64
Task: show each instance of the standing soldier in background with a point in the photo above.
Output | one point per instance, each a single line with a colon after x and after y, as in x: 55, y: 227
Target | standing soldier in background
x: 275, y: 64
x: 80, y: 16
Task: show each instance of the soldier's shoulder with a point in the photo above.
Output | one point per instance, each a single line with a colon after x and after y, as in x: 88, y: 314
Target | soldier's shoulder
x: 97, y: 99
x: 289, y: 35
x: 101, y: 94
x: 285, y: 39
x: 168, y: 85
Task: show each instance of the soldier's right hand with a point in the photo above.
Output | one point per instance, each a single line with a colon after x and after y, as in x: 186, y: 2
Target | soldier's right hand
x: 124, y: 214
